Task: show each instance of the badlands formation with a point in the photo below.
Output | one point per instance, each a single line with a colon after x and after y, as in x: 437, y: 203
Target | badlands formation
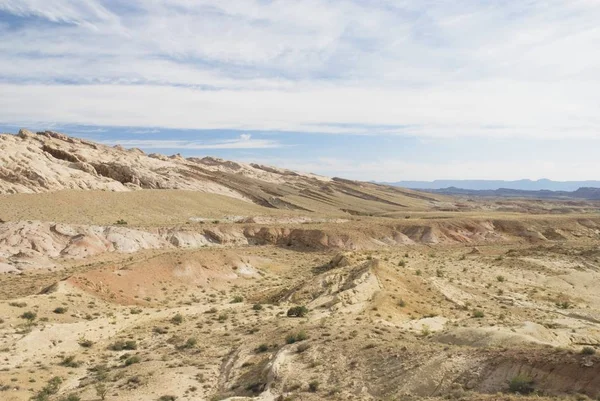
x: 127, y: 276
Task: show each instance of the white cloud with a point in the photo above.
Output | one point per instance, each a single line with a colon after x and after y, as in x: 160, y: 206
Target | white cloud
x: 442, y: 68
x: 389, y: 170
x: 499, y: 109
x: 242, y: 143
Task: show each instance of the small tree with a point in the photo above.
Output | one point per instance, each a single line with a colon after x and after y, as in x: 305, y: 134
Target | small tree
x: 101, y: 390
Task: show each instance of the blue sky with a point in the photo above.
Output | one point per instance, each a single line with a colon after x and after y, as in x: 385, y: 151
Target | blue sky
x: 375, y: 90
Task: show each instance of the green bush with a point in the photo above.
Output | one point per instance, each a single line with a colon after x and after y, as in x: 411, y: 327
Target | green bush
x: 478, y: 314
x: 262, y: 348
x: 177, y: 319
x: 297, y: 311
x: 521, y: 384
x: 60, y: 310
x: 29, y: 316
x: 257, y: 307
x: 588, y: 351
x: 237, y: 299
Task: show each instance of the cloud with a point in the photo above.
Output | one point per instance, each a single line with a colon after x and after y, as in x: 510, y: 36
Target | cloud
x: 391, y: 170
x: 421, y: 68
x: 493, y: 109
x: 244, y: 142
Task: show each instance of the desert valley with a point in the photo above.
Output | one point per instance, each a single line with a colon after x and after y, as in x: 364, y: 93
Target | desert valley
x: 131, y: 276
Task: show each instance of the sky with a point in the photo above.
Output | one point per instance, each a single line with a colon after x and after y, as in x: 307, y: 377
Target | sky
x: 384, y: 90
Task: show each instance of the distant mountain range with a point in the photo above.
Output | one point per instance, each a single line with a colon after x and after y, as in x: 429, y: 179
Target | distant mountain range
x: 478, y: 185
x: 581, y: 193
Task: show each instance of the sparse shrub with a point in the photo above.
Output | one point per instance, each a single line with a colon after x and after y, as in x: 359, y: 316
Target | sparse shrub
x: 190, y: 343
x: 313, y: 386
x: 262, y: 348
x: 70, y: 362
x: 132, y: 359
x: 160, y: 330
x: 177, y: 319
x: 588, y: 351
x: 120, y: 345
x: 478, y: 314
x: 30, y: 316
x: 297, y: 311
x: 402, y: 263
x: 100, y: 372
x: 85, y: 343
x: 60, y: 310
x: 563, y: 304
x: 237, y: 299
x: 418, y: 272
x: 49, y: 389
x: 167, y: 398
x: 501, y: 279
x: 257, y: 307
x: 521, y: 384
x: 303, y: 347
x: 135, y: 311
x: 71, y: 397
x: 297, y: 337
x: 401, y: 303
x: 121, y: 222
x: 18, y: 304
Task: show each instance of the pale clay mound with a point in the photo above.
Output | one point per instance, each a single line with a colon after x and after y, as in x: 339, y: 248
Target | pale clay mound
x: 50, y: 161
x: 30, y: 245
